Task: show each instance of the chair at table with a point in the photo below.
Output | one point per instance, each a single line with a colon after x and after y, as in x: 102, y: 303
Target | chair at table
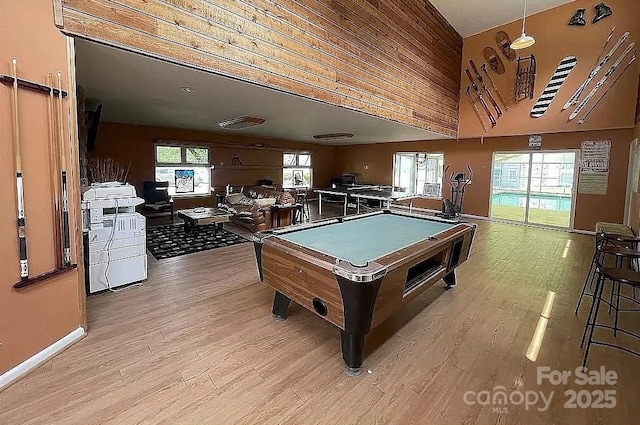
x: 156, y: 198
x: 620, y: 276
x: 301, y: 198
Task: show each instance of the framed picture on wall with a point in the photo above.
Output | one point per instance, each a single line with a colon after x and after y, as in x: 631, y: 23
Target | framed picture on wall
x: 185, y: 181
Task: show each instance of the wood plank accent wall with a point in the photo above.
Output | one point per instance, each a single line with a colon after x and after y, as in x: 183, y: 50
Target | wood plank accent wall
x: 396, y: 59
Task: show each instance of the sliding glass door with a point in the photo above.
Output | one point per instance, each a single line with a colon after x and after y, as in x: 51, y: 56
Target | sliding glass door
x: 536, y: 188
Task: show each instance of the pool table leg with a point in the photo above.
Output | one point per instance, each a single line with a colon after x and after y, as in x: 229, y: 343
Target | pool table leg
x: 352, y: 352
x: 450, y: 279
x: 280, y: 306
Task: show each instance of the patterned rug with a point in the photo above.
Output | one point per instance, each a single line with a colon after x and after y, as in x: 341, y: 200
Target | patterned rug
x: 172, y: 241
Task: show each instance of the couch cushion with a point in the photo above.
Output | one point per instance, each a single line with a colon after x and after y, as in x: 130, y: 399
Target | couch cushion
x: 264, y: 202
x: 238, y: 199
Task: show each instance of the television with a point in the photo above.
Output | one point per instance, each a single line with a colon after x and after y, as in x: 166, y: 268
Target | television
x: 92, y: 118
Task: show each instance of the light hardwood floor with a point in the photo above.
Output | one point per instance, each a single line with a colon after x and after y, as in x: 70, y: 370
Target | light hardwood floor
x: 197, y: 345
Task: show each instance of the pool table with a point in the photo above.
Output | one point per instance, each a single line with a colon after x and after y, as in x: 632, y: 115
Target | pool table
x: 356, y: 271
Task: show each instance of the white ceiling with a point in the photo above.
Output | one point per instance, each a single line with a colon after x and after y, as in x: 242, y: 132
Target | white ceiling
x: 136, y: 89
x: 471, y: 17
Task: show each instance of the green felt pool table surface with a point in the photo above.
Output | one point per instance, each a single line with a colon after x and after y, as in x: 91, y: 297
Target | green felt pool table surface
x: 364, y: 239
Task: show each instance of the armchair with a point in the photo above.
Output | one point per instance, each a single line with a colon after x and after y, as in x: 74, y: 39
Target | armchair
x: 156, y: 198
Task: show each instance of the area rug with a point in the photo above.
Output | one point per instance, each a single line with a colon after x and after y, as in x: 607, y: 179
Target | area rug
x: 172, y: 241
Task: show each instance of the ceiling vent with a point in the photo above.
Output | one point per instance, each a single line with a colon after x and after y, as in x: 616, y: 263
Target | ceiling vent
x: 333, y: 136
x: 240, y: 122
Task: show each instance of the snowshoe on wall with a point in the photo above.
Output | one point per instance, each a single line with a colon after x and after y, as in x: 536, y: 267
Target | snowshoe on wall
x: 578, y: 18
x: 602, y: 11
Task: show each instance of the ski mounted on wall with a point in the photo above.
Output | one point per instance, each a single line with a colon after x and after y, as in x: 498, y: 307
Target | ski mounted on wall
x: 633, y: 59
x: 596, y: 68
x: 603, y: 80
x: 475, y: 108
x: 481, y: 98
x: 557, y: 79
x: 485, y: 88
x: 484, y: 69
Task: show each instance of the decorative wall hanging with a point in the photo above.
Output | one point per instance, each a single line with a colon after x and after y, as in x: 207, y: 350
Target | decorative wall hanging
x: 485, y: 88
x: 504, y: 41
x: 525, y: 78
x: 475, y: 108
x: 633, y: 59
x: 578, y: 18
x: 602, y: 11
x: 600, y: 83
x: 480, y: 98
x: 494, y: 61
x: 549, y: 93
x: 600, y: 62
x: 484, y: 69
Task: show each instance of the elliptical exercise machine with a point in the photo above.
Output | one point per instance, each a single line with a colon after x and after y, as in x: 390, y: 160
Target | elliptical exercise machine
x: 451, y: 208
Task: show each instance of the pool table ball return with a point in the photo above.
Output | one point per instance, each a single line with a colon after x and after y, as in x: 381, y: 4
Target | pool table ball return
x: 356, y: 271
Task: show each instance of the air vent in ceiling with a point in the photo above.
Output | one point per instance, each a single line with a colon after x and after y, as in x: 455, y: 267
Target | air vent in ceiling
x: 240, y: 122
x: 333, y: 136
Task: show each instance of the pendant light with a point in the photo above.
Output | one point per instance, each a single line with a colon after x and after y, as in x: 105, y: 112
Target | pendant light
x: 524, y: 40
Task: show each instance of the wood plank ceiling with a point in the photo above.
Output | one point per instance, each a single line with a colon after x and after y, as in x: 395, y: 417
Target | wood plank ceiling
x: 398, y: 60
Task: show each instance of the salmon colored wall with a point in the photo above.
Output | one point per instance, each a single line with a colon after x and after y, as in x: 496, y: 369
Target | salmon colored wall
x: 555, y: 40
x: 34, y: 318
x: 374, y: 164
x: 135, y: 144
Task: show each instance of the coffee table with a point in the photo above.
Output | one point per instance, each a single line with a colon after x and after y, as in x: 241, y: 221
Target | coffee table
x: 201, y: 216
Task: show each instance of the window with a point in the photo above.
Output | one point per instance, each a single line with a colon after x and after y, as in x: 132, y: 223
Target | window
x: 513, y: 175
x: 186, y: 168
x: 296, y: 170
x: 418, y: 172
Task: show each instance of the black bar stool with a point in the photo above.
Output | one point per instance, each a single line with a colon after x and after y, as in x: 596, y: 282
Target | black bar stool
x: 618, y: 276
x: 301, y: 198
x: 605, y: 239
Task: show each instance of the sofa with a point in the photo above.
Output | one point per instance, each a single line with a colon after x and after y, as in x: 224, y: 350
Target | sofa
x: 251, y: 207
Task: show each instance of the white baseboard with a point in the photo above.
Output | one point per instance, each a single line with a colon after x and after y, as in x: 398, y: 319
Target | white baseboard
x: 12, y: 375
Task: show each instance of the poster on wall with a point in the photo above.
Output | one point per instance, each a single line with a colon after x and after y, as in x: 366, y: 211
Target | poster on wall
x: 185, y: 181
x: 594, y: 167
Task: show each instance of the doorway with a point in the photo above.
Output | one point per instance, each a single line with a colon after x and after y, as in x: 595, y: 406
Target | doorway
x: 534, y: 188
x: 633, y: 185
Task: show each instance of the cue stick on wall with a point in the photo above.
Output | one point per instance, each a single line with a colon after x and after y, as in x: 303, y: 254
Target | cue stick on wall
x: 22, y: 233
x: 63, y: 173
x: 53, y: 167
